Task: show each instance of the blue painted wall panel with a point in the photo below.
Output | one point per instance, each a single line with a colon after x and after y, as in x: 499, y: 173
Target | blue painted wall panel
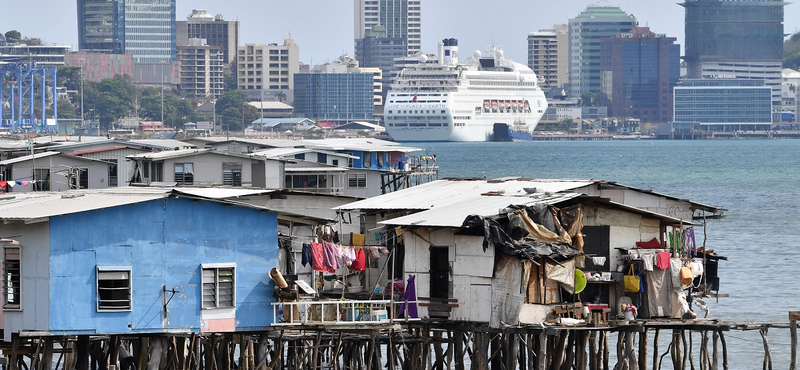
x: 164, y: 244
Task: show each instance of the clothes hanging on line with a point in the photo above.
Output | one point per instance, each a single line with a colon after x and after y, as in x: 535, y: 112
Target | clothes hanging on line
x: 307, y: 256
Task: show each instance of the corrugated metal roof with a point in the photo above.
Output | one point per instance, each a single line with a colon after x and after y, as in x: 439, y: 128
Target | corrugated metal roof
x: 361, y: 144
x: 40, y: 205
x: 32, y: 206
x: 283, y: 152
x: 170, y: 154
x: 221, y: 193
x: 165, y: 143
x: 28, y: 158
x: 453, y: 214
x: 441, y: 193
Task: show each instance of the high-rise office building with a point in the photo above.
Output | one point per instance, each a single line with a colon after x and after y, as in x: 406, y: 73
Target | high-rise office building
x: 742, y: 31
x: 735, y: 39
x: 334, y: 96
x: 640, y: 68
x: 401, y: 18
x: 145, y: 29
x: 585, y: 32
x: 724, y: 104
x: 548, y: 54
x: 216, y: 30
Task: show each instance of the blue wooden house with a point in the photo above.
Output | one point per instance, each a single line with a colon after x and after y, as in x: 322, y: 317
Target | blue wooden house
x: 136, y: 260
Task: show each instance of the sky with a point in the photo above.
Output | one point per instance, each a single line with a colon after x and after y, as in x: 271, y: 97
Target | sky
x: 323, y: 29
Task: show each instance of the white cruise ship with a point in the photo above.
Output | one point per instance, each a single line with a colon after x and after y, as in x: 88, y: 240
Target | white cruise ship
x: 489, y: 99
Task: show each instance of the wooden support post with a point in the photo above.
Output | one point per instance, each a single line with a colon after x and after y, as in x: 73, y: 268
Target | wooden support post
x: 583, y: 353
x: 643, y: 349
x: 793, y: 317
x: 676, y: 349
x: 715, y: 353
x: 511, y: 350
x: 621, y: 358
x: 724, y: 351
x: 655, y: 349
x: 606, y: 350
x: 83, y: 353
x: 47, y: 354
x: 593, y: 364
x: 558, y: 355
x: 767, y: 353
x: 685, y: 356
x: 569, y: 356
x: 541, y: 357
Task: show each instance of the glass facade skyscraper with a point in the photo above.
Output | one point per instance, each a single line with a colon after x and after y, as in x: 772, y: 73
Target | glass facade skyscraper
x: 585, y: 33
x: 145, y: 29
x: 334, y: 96
x: 640, y: 68
x: 724, y: 104
x: 732, y: 31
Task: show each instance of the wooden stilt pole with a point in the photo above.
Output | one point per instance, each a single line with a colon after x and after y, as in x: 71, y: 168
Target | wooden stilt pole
x: 643, y: 349
x: 767, y: 353
x: 715, y: 353
x: 83, y: 353
x: 541, y: 358
x: 793, y: 317
x: 655, y: 349
x: 606, y: 350
x: 593, y: 363
x: 558, y: 355
x: 724, y: 351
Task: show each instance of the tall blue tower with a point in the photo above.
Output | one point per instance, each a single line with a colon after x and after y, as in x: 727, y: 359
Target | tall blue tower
x: 145, y: 29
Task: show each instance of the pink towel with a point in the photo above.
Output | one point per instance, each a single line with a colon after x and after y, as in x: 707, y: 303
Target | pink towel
x: 662, y: 260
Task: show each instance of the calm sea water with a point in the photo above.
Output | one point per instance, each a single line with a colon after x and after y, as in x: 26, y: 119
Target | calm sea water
x: 756, y: 180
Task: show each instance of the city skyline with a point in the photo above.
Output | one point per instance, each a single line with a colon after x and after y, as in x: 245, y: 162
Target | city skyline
x: 327, y: 32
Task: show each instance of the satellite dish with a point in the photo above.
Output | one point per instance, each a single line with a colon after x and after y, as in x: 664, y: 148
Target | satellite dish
x: 498, y: 54
x: 477, y: 54
x: 423, y: 58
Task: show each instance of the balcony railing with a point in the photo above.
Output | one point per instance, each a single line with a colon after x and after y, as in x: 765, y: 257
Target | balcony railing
x: 335, y: 312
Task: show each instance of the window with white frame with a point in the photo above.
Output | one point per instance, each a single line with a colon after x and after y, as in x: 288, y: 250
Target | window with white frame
x: 357, y: 180
x: 219, y: 286
x: 184, y: 173
x: 11, y: 277
x: 113, y: 288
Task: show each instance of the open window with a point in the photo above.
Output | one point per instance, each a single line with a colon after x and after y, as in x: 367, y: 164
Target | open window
x: 219, y: 286
x: 184, y: 173
x: 113, y: 288
x: 11, y: 278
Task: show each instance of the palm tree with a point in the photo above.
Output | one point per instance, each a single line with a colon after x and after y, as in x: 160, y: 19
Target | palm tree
x: 280, y: 95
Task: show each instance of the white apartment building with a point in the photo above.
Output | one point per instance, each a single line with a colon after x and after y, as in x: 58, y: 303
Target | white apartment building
x: 267, y: 69
x: 401, y: 18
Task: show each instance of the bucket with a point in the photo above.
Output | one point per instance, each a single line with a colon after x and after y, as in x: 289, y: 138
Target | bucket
x: 380, y: 315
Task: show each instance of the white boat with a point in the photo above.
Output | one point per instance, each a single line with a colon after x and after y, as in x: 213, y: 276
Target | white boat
x: 489, y: 98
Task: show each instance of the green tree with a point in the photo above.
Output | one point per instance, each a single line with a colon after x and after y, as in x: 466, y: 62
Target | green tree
x: 588, y: 99
x: 110, y: 99
x: 66, y: 109
x: 280, y: 95
x: 237, y: 118
x: 13, y: 36
x: 791, y: 52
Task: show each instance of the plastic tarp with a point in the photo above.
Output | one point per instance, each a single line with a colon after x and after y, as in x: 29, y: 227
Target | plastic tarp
x: 496, y: 235
x: 509, y: 287
x: 563, y: 273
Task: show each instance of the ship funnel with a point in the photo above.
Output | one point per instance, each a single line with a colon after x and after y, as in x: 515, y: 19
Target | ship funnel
x: 450, y: 52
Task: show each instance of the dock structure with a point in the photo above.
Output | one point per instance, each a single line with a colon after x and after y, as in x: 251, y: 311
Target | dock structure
x: 695, y: 344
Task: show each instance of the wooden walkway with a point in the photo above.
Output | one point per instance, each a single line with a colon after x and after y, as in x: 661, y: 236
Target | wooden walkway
x: 402, y: 345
